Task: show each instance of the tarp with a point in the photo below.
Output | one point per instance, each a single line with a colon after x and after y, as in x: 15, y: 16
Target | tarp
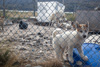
x: 46, y: 9
x: 92, y: 51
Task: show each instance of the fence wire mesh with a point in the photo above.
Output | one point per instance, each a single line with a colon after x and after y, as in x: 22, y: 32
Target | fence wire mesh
x: 49, y: 33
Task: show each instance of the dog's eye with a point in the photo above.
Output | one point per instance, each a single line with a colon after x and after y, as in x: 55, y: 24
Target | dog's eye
x: 85, y: 30
x: 81, y: 31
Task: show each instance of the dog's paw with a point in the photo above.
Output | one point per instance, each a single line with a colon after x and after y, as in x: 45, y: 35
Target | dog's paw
x: 85, y: 58
x: 71, y: 60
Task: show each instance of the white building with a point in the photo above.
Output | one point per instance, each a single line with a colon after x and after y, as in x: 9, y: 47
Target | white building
x: 46, y: 9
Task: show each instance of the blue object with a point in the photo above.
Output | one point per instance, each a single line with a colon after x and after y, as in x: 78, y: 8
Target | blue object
x: 92, y: 51
x: 23, y: 25
x: 33, y: 50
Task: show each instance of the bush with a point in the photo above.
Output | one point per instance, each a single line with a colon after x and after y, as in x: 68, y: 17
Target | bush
x: 4, y: 57
x: 7, y: 57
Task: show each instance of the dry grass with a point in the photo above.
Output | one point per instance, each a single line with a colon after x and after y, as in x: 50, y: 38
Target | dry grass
x: 49, y: 63
x: 19, y: 14
x: 70, y: 17
x: 7, y: 57
x: 16, y: 14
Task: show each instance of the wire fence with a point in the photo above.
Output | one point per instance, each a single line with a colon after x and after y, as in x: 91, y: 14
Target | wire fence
x: 49, y: 33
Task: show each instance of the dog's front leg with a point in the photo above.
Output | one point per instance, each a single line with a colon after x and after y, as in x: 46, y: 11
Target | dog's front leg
x: 70, y: 54
x: 79, y: 48
x: 2, y: 26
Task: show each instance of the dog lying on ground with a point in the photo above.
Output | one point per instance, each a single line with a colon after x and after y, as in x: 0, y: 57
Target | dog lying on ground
x: 57, y: 17
x: 69, y: 25
x: 2, y: 22
x: 23, y: 25
x: 70, y: 39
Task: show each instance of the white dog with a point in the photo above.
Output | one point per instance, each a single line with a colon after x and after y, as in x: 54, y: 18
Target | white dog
x: 69, y: 25
x: 57, y: 17
x: 70, y: 39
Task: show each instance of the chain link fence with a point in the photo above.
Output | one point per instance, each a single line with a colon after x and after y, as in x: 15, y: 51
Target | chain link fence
x: 40, y: 32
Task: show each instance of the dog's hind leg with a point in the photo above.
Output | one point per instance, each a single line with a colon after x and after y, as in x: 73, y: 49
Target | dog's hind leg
x: 59, y: 53
x: 70, y: 54
x: 2, y: 27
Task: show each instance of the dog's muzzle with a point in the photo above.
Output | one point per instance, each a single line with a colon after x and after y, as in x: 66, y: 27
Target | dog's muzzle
x: 84, y: 36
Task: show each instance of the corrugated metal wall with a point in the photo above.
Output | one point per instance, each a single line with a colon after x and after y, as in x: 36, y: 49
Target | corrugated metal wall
x: 92, y: 16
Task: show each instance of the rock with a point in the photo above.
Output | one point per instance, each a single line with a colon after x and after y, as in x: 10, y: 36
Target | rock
x: 46, y: 42
x: 36, y: 38
x: 31, y: 43
x: 45, y: 37
x: 23, y: 43
x: 79, y: 63
x: 37, y: 57
x: 8, y: 22
x: 28, y: 65
x: 23, y: 49
x: 20, y: 36
x: 37, y: 66
x: 38, y: 41
x: 33, y: 50
x: 32, y: 34
x: 16, y: 63
x: 29, y: 38
x: 38, y: 44
x: 39, y: 33
x: 26, y: 41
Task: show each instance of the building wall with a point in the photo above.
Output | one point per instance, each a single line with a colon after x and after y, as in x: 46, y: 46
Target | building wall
x: 92, y: 16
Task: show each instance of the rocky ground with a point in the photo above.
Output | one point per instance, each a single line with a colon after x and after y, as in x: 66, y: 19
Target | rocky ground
x: 33, y: 44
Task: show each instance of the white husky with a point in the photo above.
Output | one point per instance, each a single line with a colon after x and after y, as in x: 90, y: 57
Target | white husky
x: 70, y: 39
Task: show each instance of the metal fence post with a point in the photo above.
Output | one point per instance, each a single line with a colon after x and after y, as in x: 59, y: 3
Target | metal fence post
x: 4, y: 8
x: 34, y: 6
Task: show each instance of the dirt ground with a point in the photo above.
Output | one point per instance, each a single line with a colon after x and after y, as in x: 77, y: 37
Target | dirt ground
x: 33, y: 44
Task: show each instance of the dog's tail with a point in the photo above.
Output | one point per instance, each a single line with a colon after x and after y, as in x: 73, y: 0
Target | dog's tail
x: 55, y: 32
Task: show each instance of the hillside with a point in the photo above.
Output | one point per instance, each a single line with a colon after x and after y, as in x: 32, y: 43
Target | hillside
x: 71, y: 5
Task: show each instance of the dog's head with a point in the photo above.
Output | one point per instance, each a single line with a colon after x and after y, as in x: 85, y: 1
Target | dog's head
x: 82, y: 29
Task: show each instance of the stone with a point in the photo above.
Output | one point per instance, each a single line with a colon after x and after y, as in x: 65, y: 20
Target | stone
x: 23, y: 43
x: 16, y: 63
x: 23, y: 48
x: 79, y: 63
x: 38, y: 41
x: 29, y: 38
x: 37, y: 66
x: 45, y: 37
x: 28, y: 65
x: 33, y: 50
x: 39, y: 33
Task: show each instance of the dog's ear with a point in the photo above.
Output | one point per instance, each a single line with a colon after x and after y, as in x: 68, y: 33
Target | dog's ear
x: 73, y: 24
x: 77, y: 24
x: 87, y: 25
